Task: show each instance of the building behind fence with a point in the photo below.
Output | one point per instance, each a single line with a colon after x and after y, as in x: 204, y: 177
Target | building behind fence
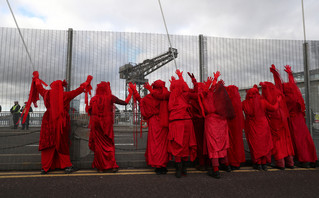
x: 72, y: 55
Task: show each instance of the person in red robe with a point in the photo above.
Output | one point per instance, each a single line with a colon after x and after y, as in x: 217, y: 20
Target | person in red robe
x: 55, y: 128
x: 101, y: 140
x: 181, y: 135
x: 236, y: 151
x: 199, y: 123
x: 218, y: 108
x: 154, y: 109
x: 283, y: 150
x: 257, y: 128
x: 305, y: 151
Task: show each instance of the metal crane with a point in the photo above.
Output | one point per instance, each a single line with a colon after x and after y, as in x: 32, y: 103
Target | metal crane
x: 136, y: 74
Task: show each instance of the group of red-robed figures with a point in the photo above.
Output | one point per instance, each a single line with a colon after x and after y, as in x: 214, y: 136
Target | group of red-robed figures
x: 205, y: 122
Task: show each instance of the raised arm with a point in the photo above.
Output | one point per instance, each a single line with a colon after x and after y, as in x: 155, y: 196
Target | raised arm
x: 216, y: 75
x: 194, y: 81
x: 290, y: 75
x: 39, y: 87
x: 296, y: 88
x: 179, y: 74
x: 277, y: 77
x: 116, y: 100
x: 84, y: 87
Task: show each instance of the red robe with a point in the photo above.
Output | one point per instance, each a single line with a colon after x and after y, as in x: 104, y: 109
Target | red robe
x: 303, y: 144
x: 278, y: 122
x: 257, y: 129
x: 199, y: 124
x: 54, y: 141
x: 101, y: 140
x: 154, y: 109
x: 216, y: 133
x: 236, y: 151
x: 181, y: 136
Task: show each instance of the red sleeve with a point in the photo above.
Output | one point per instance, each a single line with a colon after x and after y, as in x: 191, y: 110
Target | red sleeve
x: 72, y: 94
x: 41, y: 90
x: 116, y: 100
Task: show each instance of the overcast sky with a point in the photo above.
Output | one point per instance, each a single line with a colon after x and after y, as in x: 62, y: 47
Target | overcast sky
x: 271, y: 19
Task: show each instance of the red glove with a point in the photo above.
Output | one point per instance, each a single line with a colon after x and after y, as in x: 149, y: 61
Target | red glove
x: 221, y: 82
x: 64, y: 83
x: 273, y: 68
x: 179, y: 74
x: 133, y: 87
x: 216, y: 75
x: 86, y: 84
x: 192, y: 77
x: 148, y: 87
x: 209, y: 81
x: 288, y: 69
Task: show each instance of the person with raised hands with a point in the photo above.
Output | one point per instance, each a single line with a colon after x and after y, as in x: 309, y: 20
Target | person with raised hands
x: 154, y: 109
x: 181, y: 137
x: 218, y: 108
x: 101, y: 140
x: 55, y: 128
x: 305, y: 151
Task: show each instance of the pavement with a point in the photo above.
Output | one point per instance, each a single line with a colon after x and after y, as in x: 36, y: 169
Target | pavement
x: 247, y: 182
x: 20, y: 175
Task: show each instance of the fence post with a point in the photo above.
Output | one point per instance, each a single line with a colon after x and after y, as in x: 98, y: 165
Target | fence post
x: 307, y: 87
x: 203, y: 69
x: 69, y: 59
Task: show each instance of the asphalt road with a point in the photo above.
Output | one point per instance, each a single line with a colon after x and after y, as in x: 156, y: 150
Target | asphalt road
x: 144, y: 183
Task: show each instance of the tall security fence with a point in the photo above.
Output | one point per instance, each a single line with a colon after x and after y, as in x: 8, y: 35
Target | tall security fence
x: 72, y: 55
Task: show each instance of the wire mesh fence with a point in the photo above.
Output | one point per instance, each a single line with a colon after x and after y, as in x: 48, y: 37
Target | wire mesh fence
x: 242, y: 62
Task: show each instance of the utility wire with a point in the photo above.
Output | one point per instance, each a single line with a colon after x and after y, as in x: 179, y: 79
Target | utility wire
x: 25, y: 46
x: 169, y: 40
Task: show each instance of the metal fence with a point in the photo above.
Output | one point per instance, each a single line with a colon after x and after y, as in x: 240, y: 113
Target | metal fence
x: 120, y: 119
x: 242, y: 62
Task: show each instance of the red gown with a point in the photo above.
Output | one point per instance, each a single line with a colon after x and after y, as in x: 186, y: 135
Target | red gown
x: 154, y: 109
x: 101, y: 140
x: 278, y: 122
x: 216, y: 133
x: 199, y: 124
x: 283, y: 147
x: 236, y: 151
x: 257, y: 129
x: 181, y: 136
x: 305, y: 150
x: 54, y: 135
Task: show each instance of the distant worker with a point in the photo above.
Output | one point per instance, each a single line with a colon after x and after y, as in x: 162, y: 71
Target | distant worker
x: 25, y: 125
x: 15, y: 111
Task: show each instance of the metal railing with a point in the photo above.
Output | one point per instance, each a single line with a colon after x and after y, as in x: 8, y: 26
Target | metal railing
x: 120, y: 119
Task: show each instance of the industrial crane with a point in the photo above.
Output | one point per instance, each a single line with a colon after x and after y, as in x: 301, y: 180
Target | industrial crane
x: 136, y: 74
